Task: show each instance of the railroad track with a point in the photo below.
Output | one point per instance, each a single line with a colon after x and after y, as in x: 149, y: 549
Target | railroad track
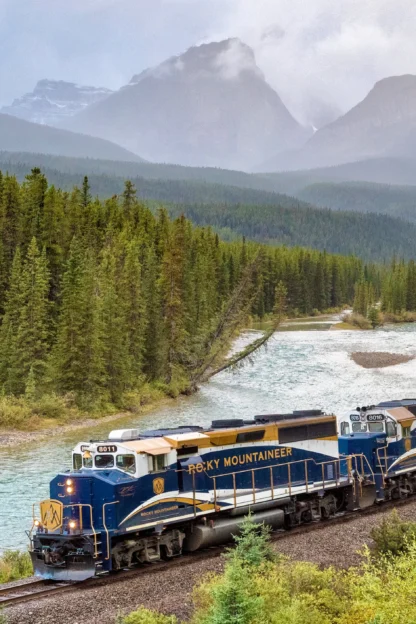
x: 39, y: 589
x: 30, y: 590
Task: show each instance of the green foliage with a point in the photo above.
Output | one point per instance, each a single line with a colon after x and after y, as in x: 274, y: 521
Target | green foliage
x: 100, y: 299
x: 14, y: 565
x: 237, y: 204
x: 393, y: 535
x: 144, y: 616
x: 357, y: 320
x: 374, y: 317
x: 232, y: 600
x: 22, y: 412
x: 253, y: 545
x: 376, y: 592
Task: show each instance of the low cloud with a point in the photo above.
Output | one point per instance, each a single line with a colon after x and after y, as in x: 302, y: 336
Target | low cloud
x: 236, y: 59
x: 325, y: 51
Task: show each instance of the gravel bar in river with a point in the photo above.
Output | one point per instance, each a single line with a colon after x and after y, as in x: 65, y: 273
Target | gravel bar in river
x: 171, y: 591
x: 380, y: 359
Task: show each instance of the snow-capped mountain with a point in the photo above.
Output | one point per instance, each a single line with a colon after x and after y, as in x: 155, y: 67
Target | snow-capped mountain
x: 52, y: 101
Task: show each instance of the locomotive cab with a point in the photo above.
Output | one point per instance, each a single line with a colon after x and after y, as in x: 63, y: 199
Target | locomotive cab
x: 385, y: 434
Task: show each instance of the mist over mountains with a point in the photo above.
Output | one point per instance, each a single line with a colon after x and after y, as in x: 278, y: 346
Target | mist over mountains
x: 211, y: 106
x: 53, y: 100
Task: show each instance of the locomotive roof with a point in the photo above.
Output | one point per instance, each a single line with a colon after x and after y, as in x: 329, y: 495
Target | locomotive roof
x: 221, y: 432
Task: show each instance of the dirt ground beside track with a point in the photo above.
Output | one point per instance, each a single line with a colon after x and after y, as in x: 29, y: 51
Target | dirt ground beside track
x: 170, y: 591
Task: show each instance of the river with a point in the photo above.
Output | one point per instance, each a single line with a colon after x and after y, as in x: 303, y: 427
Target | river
x: 304, y: 369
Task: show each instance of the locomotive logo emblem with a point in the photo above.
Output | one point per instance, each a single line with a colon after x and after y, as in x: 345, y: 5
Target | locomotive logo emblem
x: 158, y: 485
x: 51, y: 514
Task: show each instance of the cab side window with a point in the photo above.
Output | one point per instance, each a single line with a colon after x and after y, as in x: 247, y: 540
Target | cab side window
x: 406, y: 432
x: 157, y: 463
x: 127, y: 463
x: 391, y: 429
x: 345, y: 428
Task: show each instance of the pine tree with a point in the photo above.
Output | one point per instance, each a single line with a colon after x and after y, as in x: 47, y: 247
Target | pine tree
x: 78, y: 355
x: 115, y: 338
x: 133, y: 299
x: 9, y: 327
x: 172, y: 289
x: 33, y: 200
x: 33, y: 331
x: 155, y: 341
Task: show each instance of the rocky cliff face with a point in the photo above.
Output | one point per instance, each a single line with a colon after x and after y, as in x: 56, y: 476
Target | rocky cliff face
x: 51, y: 101
x: 210, y: 106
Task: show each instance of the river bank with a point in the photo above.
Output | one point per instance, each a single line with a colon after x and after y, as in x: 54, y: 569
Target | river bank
x: 298, y: 370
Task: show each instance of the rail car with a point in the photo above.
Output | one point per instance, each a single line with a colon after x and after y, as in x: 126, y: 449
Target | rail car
x: 144, y: 496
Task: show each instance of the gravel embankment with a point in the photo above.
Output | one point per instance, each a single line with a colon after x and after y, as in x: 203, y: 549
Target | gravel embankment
x: 170, y: 591
x: 379, y: 359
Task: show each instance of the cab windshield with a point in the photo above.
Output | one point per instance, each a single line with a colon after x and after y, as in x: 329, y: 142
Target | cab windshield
x: 371, y: 427
x: 104, y: 461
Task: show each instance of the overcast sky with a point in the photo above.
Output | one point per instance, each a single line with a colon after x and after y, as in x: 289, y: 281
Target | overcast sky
x: 318, y: 52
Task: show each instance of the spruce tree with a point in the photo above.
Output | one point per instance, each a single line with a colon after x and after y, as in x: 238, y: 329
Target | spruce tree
x: 78, y: 361
x: 115, y: 338
x: 33, y: 331
x: 9, y: 377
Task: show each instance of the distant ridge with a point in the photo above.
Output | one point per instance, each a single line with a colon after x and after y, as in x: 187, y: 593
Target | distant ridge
x: 231, y: 210
x: 382, y: 125
x: 17, y: 135
x: 51, y: 101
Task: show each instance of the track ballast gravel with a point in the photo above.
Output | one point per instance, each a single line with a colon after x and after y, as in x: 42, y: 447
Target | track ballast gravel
x: 170, y: 591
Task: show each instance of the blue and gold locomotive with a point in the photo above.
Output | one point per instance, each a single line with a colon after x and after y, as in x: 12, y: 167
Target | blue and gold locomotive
x: 140, y: 497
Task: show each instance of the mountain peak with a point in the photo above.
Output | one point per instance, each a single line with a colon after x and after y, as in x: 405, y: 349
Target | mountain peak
x: 210, y: 106
x: 227, y: 59
x: 53, y: 100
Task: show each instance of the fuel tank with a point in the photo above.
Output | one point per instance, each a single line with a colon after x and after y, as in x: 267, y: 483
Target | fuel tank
x: 222, y: 530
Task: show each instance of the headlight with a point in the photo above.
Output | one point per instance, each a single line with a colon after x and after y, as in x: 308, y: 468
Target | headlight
x: 72, y: 524
x: 69, y: 482
x: 36, y: 523
x: 69, y: 489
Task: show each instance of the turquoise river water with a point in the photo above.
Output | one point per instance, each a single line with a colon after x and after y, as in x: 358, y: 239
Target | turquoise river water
x: 306, y: 369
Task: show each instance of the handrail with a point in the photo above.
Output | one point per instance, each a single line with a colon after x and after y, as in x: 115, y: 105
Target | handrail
x: 385, y: 458
x: 356, y: 462
x: 106, y: 529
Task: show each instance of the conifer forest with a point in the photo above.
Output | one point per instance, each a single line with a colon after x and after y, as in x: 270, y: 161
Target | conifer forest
x: 98, y: 297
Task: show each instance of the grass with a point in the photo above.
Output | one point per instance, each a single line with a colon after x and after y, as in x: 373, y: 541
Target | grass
x: 355, y: 321
x: 14, y: 565
x: 51, y: 410
x: 402, y: 317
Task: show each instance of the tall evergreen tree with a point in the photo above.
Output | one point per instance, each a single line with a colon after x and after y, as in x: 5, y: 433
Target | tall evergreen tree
x: 33, y: 331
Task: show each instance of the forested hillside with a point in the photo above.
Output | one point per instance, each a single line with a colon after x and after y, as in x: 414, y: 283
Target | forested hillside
x: 233, y: 211
x: 98, y: 297
x: 396, y: 201
x: 370, y: 236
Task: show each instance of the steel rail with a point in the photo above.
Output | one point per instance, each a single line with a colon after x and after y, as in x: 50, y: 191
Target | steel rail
x: 17, y: 594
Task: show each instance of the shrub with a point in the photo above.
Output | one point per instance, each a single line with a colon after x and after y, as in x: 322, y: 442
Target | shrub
x: 252, y: 544
x: 393, y: 535
x: 357, y: 320
x: 15, y: 565
x: 14, y: 412
x: 144, y: 616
